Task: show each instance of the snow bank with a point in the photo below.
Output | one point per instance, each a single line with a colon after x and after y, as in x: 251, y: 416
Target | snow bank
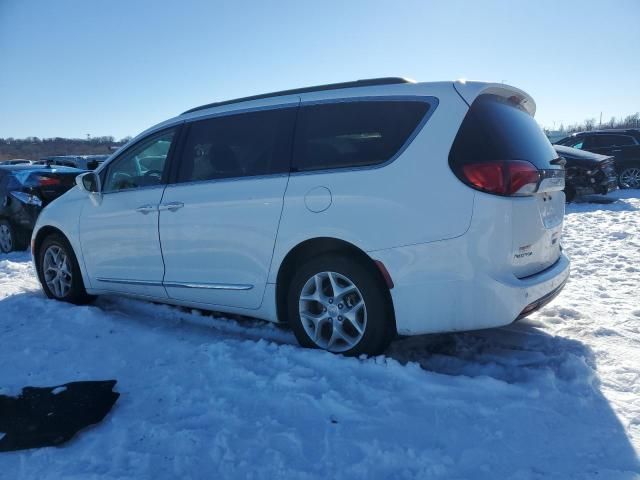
x: 556, y: 396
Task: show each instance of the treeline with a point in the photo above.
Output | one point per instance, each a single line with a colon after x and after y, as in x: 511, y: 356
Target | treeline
x: 34, y: 148
x: 630, y: 121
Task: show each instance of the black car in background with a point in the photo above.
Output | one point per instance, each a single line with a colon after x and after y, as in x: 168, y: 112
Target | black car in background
x: 24, y: 191
x: 587, y: 173
x: 623, y: 144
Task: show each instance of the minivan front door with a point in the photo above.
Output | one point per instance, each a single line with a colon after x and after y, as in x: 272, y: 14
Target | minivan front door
x: 119, y: 232
x: 219, y: 220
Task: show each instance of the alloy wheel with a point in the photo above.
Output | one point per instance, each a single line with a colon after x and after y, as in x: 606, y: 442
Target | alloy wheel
x: 57, y: 271
x: 6, y: 239
x: 630, y: 178
x: 332, y: 311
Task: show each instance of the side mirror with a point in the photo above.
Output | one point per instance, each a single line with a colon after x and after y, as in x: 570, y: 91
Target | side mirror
x: 89, y: 182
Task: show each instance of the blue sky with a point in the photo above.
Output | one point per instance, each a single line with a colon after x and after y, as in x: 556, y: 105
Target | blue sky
x: 77, y: 67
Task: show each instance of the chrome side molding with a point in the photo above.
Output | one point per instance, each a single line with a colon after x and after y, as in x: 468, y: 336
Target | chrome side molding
x: 125, y: 281
x: 210, y: 286
x: 148, y: 283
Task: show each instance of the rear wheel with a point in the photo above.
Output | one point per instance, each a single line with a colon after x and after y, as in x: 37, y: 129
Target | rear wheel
x: 59, y: 272
x: 10, y: 239
x: 336, y: 304
x: 630, y: 177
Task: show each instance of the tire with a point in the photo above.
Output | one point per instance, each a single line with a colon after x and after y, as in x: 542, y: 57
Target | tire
x: 56, y: 259
x: 629, y: 177
x: 357, y: 321
x: 10, y: 238
x: 570, y: 194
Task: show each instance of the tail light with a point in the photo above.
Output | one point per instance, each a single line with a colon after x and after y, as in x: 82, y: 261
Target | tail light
x: 48, y: 181
x: 502, y: 177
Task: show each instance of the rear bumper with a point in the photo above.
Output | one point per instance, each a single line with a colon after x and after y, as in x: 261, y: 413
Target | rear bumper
x: 541, y: 302
x: 438, y: 290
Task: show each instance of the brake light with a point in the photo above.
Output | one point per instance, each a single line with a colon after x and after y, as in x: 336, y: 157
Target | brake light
x: 48, y: 181
x: 502, y: 177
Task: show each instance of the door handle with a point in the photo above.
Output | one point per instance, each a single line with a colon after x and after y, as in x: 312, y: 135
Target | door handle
x: 171, y: 206
x: 144, y: 209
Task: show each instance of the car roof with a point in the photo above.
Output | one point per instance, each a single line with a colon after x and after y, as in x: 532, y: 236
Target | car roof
x: 370, y: 82
x: 615, y: 131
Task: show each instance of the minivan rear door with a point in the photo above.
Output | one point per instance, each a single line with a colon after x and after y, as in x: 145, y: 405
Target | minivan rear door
x: 219, y: 217
x: 500, y: 127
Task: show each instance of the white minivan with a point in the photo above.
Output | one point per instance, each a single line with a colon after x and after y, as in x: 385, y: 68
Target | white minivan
x: 352, y: 212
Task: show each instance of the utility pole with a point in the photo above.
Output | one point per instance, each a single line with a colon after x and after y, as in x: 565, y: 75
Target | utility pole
x: 600, y: 126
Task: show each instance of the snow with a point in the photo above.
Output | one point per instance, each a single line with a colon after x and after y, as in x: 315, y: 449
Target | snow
x: 554, y: 396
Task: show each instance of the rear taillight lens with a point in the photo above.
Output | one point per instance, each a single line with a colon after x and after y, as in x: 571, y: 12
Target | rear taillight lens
x: 502, y: 177
x: 48, y: 181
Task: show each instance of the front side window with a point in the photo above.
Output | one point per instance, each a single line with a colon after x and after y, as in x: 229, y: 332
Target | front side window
x: 238, y: 145
x: 140, y: 166
x: 354, y: 133
x: 576, y: 142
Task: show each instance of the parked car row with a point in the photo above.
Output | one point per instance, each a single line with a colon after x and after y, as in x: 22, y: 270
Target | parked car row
x: 84, y: 162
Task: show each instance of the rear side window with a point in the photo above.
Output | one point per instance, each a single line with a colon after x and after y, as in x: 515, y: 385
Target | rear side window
x: 353, y: 134
x: 610, y: 140
x: 241, y: 145
x: 496, y: 129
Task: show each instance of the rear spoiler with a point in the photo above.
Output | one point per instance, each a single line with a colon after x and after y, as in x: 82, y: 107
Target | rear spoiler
x: 469, y: 91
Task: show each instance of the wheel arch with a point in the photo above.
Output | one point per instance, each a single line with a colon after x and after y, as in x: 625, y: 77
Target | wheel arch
x: 319, y: 246
x: 43, y: 233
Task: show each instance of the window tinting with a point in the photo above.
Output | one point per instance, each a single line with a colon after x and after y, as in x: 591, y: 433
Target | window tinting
x: 242, y: 145
x: 576, y: 142
x: 611, y: 140
x: 139, y: 166
x: 496, y: 129
x: 353, y: 134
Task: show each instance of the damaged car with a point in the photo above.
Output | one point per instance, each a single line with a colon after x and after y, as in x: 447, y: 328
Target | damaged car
x: 587, y: 173
x: 24, y: 191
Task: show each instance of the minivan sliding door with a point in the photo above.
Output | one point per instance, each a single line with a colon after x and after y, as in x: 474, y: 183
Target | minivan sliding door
x: 219, y: 219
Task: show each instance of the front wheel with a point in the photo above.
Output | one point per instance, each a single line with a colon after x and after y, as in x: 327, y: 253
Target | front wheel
x: 630, y: 177
x: 339, y: 305
x: 59, y: 272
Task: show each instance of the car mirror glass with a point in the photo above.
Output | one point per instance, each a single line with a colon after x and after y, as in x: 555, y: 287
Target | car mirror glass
x: 88, y: 182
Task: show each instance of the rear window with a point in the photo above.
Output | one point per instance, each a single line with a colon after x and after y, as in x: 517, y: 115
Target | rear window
x: 353, y: 134
x: 496, y: 129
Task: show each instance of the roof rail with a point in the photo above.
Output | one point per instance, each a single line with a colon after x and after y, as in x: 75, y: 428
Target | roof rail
x: 319, y: 88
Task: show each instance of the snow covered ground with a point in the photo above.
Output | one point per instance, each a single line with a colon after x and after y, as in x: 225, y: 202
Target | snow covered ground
x: 555, y: 396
